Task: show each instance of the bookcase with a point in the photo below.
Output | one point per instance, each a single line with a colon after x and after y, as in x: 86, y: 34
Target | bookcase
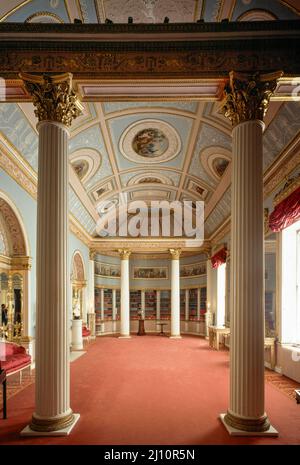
x: 193, y: 303
x: 165, y: 305
x: 203, y: 298
x: 135, y: 304
x: 107, y: 304
x: 118, y: 305
x: 97, y: 310
x: 182, y: 304
x: 150, y: 305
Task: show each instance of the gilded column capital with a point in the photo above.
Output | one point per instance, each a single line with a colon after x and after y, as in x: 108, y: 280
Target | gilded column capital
x: 92, y: 254
x: 246, y: 97
x: 124, y: 254
x: 175, y: 253
x: 53, y: 97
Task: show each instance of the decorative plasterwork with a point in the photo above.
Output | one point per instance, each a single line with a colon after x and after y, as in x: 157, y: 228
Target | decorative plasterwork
x: 291, y: 184
x: 169, y: 136
x: 209, y: 155
x: 78, y: 273
x: 150, y: 177
x: 103, y: 190
x: 195, y: 188
x: 14, y: 229
x: 91, y: 157
x: 43, y: 17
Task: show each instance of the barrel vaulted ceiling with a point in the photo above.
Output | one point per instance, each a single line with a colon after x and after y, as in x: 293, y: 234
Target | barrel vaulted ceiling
x: 155, y: 149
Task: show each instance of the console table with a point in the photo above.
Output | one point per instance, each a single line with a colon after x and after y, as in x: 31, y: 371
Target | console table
x: 3, y: 382
x: 214, y: 333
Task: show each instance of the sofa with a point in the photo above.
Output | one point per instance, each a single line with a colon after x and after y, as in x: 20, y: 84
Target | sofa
x: 13, y: 358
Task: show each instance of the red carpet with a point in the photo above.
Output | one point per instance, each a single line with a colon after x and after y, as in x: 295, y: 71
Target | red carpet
x: 151, y: 390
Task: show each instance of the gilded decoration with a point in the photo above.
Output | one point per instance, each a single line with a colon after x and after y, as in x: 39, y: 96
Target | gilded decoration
x: 124, y: 254
x: 53, y: 97
x: 247, y: 97
x: 292, y: 183
x: 175, y: 253
x: 14, y: 229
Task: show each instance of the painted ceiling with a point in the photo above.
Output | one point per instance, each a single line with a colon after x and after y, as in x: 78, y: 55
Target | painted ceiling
x: 149, y: 150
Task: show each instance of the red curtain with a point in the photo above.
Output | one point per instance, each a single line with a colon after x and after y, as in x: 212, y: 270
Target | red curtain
x: 219, y: 258
x: 286, y: 212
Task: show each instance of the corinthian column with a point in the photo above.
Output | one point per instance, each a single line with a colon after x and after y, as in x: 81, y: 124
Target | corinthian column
x: 91, y: 293
x: 56, y: 106
x: 175, y: 294
x: 245, y: 104
x: 125, y: 297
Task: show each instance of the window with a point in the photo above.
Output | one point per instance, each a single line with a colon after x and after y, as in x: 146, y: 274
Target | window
x: 290, y: 295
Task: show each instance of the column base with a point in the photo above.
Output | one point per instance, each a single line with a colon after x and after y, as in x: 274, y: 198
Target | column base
x: 175, y: 337
x: 27, y: 431
x: 271, y: 431
x: 124, y: 337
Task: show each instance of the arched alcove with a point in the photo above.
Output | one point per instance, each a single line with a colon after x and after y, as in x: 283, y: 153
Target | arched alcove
x: 78, y: 282
x: 15, y: 265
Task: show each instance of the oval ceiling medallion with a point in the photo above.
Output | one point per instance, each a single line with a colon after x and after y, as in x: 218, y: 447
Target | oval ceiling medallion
x: 150, y: 141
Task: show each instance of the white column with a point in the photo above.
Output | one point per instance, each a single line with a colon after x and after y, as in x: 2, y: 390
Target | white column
x: 246, y: 412
x: 56, y: 107
x: 143, y: 303
x: 125, y: 296
x: 91, y: 294
x: 158, y: 305
x: 102, y: 304
x: 114, y: 304
x: 211, y: 291
x: 175, y: 294
x: 187, y: 304
x: 91, y: 283
x: 198, y: 303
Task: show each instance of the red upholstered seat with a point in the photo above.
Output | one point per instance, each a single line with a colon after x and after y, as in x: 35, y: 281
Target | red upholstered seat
x: 13, y: 357
x: 85, y: 332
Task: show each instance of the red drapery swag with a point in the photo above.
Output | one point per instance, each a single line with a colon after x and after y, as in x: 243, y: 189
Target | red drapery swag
x: 286, y: 212
x: 219, y: 258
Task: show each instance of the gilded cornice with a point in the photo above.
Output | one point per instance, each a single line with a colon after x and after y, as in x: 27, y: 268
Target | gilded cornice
x: 290, y: 186
x: 246, y: 97
x: 163, y: 50
x: 53, y: 97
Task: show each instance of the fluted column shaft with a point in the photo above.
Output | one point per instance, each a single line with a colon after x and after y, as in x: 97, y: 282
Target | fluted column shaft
x: 52, y: 353
x: 175, y: 294
x: 125, y: 295
x: 91, y: 286
x: 247, y: 264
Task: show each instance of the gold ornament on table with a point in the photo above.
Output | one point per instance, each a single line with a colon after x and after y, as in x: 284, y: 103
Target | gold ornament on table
x: 53, y: 97
x: 247, y: 97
